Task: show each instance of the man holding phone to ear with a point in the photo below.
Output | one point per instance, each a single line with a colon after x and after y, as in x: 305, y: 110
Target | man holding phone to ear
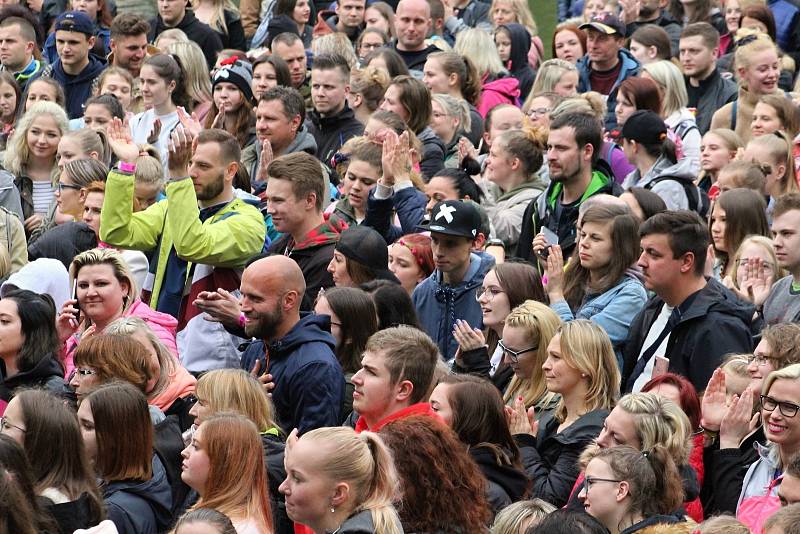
x: 576, y: 173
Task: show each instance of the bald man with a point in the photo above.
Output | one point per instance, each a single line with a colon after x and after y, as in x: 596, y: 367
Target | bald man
x: 297, y: 351
x: 412, y: 24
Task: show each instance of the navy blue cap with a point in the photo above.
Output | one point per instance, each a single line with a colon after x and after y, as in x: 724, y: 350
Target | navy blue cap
x: 75, y: 21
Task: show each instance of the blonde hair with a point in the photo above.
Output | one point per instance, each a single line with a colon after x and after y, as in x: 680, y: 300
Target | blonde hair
x: 217, y: 20
x: 479, y: 46
x: 780, y: 151
x: 790, y: 372
x: 366, y: 463
x: 91, y: 141
x: 111, y: 257
x: 670, y: 80
x: 149, y: 170
x: 550, y: 72
x: 540, y: 323
x: 335, y: 43
x: 587, y: 348
x: 730, y: 139
x: 128, y: 326
x: 589, y: 103
x: 510, y: 518
x: 722, y: 524
x: 235, y: 390
x: 744, y: 53
x: 659, y: 421
x: 767, y: 245
x: 371, y: 83
x: 175, y: 35
x: 456, y: 108
x: 17, y: 151
x: 521, y: 10
x: 194, y: 66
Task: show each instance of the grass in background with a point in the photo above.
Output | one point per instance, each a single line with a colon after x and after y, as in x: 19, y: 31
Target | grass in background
x: 544, y: 13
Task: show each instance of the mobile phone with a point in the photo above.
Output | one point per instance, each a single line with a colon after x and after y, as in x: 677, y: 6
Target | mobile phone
x: 550, y: 236
x: 77, y: 305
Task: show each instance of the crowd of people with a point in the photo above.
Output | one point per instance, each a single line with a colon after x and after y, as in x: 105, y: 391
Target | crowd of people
x: 296, y: 267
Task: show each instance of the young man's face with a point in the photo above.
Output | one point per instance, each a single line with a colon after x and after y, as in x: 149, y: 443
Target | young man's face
x: 172, y: 11
x: 129, y: 52
x: 351, y: 13
x: 295, y: 57
x: 662, y: 272
x: 696, y: 58
x: 14, y: 50
x: 73, y: 47
x: 329, y: 89
x: 374, y: 391
x: 564, y: 157
x: 288, y: 212
x: 450, y: 253
x: 786, y: 237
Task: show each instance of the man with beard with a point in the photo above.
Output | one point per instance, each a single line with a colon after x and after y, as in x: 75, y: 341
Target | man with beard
x: 297, y: 352
x: 200, y: 237
x: 129, y: 48
x: 576, y: 174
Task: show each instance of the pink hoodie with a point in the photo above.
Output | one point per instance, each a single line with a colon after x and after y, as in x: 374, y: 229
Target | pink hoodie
x: 164, y: 326
x: 496, y: 92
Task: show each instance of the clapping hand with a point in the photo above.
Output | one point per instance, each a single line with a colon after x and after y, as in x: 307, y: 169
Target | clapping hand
x: 554, y: 269
x: 267, y: 155
x: 756, y: 283
x: 180, y: 151
x: 468, y: 338
x: 152, y: 139
x: 520, y: 420
x: 120, y: 141
x: 190, y: 122
x: 738, y: 421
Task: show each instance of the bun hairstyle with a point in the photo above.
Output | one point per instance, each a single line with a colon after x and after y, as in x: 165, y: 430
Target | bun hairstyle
x: 371, y: 83
x: 528, y: 144
x: 590, y: 103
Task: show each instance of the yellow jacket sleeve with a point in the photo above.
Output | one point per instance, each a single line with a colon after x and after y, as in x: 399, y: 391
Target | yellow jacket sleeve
x: 119, y: 226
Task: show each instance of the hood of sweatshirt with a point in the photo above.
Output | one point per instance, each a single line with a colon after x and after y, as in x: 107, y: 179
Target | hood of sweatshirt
x: 537, y: 183
x: 155, y: 491
x: 303, y: 142
x: 93, y: 69
x: 520, y: 46
x: 324, y: 234
x: 43, y: 276
x: 507, y: 87
x: 513, y: 480
x: 310, y: 328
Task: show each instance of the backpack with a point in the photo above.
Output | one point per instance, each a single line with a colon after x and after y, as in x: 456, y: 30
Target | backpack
x: 698, y: 199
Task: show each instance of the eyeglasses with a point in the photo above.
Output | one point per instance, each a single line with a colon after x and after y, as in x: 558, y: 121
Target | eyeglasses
x: 760, y: 359
x: 81, y: 372
x: 787, y: 409
x: 590, y: 481
x: 60, y: 187
x: 515, y: 354
x: 5, y: 425
x: 538, y: 112
x: 489, y: 292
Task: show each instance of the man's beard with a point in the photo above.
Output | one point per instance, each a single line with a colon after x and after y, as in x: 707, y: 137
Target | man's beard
x: 265, y: 325
x: 212, y: 189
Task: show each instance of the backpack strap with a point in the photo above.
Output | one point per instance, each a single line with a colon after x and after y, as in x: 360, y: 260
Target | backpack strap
x: 734, y: 109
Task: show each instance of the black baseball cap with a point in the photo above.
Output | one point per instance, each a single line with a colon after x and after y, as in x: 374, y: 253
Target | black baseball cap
x: 605, y: 23
x: 454, y: 217
x: 367, y: 247
x: 645, y: 127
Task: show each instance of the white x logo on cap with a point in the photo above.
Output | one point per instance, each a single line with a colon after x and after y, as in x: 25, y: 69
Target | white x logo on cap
x: 446, y: 212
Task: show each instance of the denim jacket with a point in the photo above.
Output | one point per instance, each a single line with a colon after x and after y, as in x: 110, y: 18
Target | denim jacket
x: 612, y: 310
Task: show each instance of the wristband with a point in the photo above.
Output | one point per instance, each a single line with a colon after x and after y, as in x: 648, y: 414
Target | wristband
x: 127, y: 167
x: 242, y: 319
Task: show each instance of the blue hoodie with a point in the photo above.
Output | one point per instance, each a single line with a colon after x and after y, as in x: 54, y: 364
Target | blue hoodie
x: 138, y: 507
x: 77, y: 89
x: 630, y: 68
x: 439, y: 305
x: 309, y: 382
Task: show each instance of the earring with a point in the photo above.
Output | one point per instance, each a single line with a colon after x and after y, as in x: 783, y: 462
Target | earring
x: 583, y: 375
x: 333, y: 510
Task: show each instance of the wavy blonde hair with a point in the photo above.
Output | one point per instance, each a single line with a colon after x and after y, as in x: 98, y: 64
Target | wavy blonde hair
x: 587, y: 348
x: 217, y: 20
x: 659, y: 421
x: 17, y: 151
x: 235, y: 390
x: 479, y: 46
x: 523, y: 12
x: 540, y: 323
x: 549, y: 74
x: 366, y: 463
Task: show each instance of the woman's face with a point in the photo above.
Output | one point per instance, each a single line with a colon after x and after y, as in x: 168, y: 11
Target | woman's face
x: 518, y: 340
x: 264, y: 78
x: 440, y: 403
x: 718, y: 225
x: 68, y: 196
x: 762, y: 72
x: 592, y: 8
x: 780, y: 429
x: 714, y: 154
x: 302, y: 12
x: 619, y: 428
x: 100, y: 294
x: 196, y: 463
x: 405, y: 267
x: 558, y: 374
x: 84, y: 380
x: 375, y: 19
x: 116, y: 85
x: 568, y: 46
x: 359, y: 180
x: 733, y: 15
x: 8, y: 103
x: 14, y: 423
x: 596, y: 247
x: 761, y: 366
x: 567, y: 85
x: 323, y: 308
x: 155, y: 89
x: 438, y: 190
x: 90, y: 7
x: 494, y: 302
x: 97, y: 117
x: 43, y: 137
x: 753, y: 251
x: 92, y: 208
x: 503, y: 13
x: 442, y: 124
x: 307, y: 490
x: 391, y: 102
x: 539, y: 111
x: 227, y: 95
x: 765, y: 120
x: 625, y: 108
x: 371, y: 41
x: 40, y: 92
x: 153, y: 366
x: 601, y: 499
x: 86, y: 422
x: 502, y: 41
x: 69, y: 150
x: 200, y: 410
x: 434, y: 77
x: 338, y: 269
x: 669, y: 392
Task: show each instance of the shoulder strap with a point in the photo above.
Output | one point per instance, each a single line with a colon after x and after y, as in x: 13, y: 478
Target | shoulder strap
x: 734, y: 109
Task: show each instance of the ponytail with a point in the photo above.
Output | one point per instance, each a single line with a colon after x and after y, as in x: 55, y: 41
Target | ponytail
x: 528, y: 145
x: 170, y: 68
x: 471, y: 85
x: 383, y: 487
x: 669, y: 486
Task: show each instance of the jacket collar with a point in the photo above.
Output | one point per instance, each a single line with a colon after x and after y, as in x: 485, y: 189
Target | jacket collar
x: 421, y: 408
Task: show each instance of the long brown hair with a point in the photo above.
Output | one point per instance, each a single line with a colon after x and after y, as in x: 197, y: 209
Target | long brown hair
x: 359, y: 320
x: 243, y: 123
x: 520, y: 282
x: 625, y: 244
x: 745, y: 215
x: 237, y: 480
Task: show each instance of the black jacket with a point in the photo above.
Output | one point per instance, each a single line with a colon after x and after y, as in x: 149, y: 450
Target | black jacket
x: 432, y: 153
x: 477, y: 362
x: 235, y: 36
x: 196, y: 31
x: 724, y: 473
x: 63, y: 242
x: 715, y: 324
x: 137, y: 507
x: 506, y: 483
x: 72, y: 515
x: 332, y: 132
x: 712, y: 93
x: 551, y: 458
x: 665, y: 21
x: 274, y: 448
x: 47, y: 374
x: 518, y: 64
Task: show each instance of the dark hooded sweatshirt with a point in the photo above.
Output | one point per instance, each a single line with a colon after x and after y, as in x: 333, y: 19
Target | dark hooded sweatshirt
x: 195, y: 30
x: 333, y: 131
x: 506, y: 484
x: 78, y: 88
x: 518, y: 64
x: 138, y: 507
x: 47, y: 374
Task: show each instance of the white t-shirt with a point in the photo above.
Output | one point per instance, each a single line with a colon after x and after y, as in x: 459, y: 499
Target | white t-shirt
x: 142, y: 124
x: 655, y: 330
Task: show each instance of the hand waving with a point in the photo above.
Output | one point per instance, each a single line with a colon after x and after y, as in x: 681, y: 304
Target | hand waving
x: 120, y: 141
x: 180, y: 151
x: 715, y: 404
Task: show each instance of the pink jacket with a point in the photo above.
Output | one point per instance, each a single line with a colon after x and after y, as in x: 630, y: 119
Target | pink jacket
x: 499, y: 91
x: 164, y: 326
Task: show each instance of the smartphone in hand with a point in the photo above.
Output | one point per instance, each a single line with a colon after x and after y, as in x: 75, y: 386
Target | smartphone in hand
x: 77, y: 305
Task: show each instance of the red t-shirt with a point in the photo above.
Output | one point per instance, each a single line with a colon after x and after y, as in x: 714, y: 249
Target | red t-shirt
x: 602, y: 81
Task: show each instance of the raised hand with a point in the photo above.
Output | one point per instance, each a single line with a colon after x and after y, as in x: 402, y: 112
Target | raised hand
x: 520, y: 420
x: 180, y: 151
x: 190, y: 123
x: 66, y: 324
x: 715, y: 402
x: 554, y: 268
x: 756, y: 283
x: 468, y: 338
x: 738, y: 421
x: 155, y: 132
x: 267, y: 155
x: 630, y: 10
x: 120, y: 141
x: 466, y: 149
x: 219, y: 306
x: 219, y: 120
